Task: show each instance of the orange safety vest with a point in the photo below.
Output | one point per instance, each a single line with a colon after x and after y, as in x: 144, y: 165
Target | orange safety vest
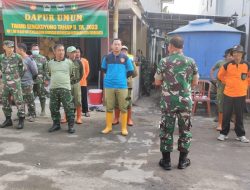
x: 235, y: 77
x: 85, y: 64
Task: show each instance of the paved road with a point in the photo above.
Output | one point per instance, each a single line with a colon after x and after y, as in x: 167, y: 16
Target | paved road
x: 33, y: 159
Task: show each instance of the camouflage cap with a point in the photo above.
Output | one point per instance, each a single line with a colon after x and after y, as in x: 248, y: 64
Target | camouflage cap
x: 71, y: 49
x: 8, y: 43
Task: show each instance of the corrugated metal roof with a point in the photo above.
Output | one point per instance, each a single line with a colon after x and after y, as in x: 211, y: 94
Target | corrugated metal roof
x: 205, y: 25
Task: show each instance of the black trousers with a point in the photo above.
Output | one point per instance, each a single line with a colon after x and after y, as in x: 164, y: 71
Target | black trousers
x: 236, y: 104
x: 84, y: 92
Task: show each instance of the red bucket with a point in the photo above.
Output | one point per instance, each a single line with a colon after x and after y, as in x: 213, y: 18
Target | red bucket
x: 95, y: 96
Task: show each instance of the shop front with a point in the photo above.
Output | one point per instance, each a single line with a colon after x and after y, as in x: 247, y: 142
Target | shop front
x: 79, y: 23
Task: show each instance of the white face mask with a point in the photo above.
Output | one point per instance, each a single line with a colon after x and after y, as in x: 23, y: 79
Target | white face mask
x: 35, y: 52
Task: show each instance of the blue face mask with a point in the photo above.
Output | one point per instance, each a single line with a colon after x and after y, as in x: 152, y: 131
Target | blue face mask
x: 35, y: 52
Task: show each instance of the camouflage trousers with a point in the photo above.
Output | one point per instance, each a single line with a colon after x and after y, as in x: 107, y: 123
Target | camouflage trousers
x: 29, y: 99
x: 76, y: 94
x: 146, y: 82
x: 58, y: 96
x: 167, y: 127
x: 13, y: 89
x: 219, y: 98
x: 40, y: 91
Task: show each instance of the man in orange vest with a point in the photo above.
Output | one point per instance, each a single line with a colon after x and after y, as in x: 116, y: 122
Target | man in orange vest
x: 234, y: 75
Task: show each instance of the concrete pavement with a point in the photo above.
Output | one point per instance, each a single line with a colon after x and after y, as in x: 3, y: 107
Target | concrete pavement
x: 33, y: 159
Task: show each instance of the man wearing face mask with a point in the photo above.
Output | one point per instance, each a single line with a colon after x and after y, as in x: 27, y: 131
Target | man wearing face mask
x: 42, y: 78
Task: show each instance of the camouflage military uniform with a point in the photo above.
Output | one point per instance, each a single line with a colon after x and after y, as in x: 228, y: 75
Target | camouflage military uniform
x: 12, y: 69
x: 27, y: 85
x: 75, y: 83
x: 60, y: 89
x: 58, y: 96
x: 29, y: 99
x: 145, y: 76
x: 220, y: 87
x: 130, y: 82
x: 42, y: 76
x: 176, y: 71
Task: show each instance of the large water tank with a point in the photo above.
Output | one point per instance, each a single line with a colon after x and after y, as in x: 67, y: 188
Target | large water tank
x: 206, y: 41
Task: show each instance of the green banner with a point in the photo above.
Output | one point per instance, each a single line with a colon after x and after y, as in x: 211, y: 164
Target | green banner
x: 60, y: 19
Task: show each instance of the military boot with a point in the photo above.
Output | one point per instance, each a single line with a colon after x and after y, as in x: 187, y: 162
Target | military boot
x: 71, y: 126
x: 165, y: 162
x: 20, y: 123
x: 55, y: 127
x: 7, y: 122
x: 183, y: 161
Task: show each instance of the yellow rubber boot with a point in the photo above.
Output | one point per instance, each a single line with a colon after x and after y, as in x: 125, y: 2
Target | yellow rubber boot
x: 117, y: 115
x: 219, y: 128
x: 124, y: 118
x: 109, y: 118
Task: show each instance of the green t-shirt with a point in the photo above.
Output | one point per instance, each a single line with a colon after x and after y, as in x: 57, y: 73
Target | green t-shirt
x: 217, y: 66
x: 60, y: 72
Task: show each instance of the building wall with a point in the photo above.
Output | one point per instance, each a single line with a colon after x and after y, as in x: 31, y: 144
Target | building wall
x: 225, y: 7
x: 184, y: 7
x: 245, y: 21
x: 229, y: 7
x: 151, y: 5
x: 141, y: 41
x: 133, y: 31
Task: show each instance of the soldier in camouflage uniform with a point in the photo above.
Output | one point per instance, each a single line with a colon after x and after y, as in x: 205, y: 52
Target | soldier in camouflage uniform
x: 145, y: 74
x: 27, y: 81
x: 61, y: 71
x: 220, y: 86
x: 75, y: 84
x: 12, y: 68
x: 176, y: 73
x: 42, y: 77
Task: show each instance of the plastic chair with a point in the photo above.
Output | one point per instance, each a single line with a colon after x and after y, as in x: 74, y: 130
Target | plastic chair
x: 201, y: 93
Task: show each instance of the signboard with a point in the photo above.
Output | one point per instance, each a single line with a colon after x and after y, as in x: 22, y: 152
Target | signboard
x: 55, y: 19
